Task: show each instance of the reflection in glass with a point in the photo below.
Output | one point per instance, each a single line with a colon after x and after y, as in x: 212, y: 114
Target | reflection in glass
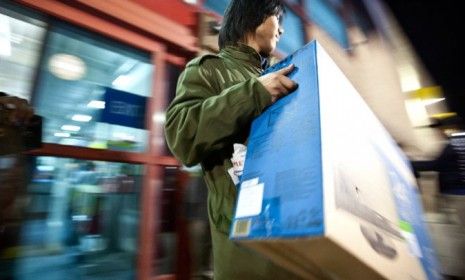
x: 78, y: 70
x: 184, y: 226
x: 79, y: 220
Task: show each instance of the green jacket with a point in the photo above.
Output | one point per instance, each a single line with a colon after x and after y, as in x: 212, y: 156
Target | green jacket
x: 217, y: 97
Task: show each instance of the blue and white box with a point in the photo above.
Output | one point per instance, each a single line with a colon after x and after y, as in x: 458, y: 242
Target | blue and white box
x: 325, y: 190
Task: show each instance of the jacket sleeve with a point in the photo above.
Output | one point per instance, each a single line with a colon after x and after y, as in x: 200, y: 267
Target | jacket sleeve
x: 203, y: 119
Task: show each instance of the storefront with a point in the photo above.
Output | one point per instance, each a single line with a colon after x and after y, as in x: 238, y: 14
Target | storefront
x: 100, y: 74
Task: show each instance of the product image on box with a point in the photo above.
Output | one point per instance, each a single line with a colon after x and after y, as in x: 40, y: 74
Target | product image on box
x: 325, y: 191
x: 358, y: 196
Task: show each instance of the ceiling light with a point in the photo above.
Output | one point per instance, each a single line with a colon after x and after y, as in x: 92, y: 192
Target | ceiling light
x: 458, y: 134
x: 71, y: 127
x: 97, y: 104
x: 81, y: 118
x: 67, y: 66
x: 409, y: 80
x: 431, y: 101
x: 62, y: 134
x: 121, y: 81
x: 159, y: 117
x: 124, y: 136
x: 45, y: 168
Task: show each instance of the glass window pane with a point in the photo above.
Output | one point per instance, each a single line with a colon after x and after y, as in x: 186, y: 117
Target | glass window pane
x: 293, y: 37
x: 92, y: 91
x: 75, y: 219
x: 21, y: 39
x: 194, y: 201
x: 166, y: 243
x: 184, y: 200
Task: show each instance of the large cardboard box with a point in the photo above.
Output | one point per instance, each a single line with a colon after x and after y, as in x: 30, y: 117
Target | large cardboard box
x: 325, y: 190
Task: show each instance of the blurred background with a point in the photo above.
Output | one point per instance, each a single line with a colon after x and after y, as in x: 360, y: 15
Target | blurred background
x: 103, y: 198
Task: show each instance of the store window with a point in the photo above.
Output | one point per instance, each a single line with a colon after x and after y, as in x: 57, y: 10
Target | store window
x: 92, y: 92
x: 76, y: 219
x: 184, y: 225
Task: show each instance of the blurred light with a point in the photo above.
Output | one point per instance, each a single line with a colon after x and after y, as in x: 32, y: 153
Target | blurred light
x: 71, y: 127
x: 159, y: 117
x: 5, y: 43
x: 81, y: 118
x: 98, y: 145
x: 458, y: 134
x: 67, y: 67
x: 16, y: 38
x: 431, y: 101
x: 193, y: 169
x: 121, y: 81
x: 444, y: 115
x: 62, y: 134
x: 417, y: 112
x: 54, y: 223
x: 409, y: 80
x: 81, y: 218
x: 191, y: 1
x: 72, y: 142
x: 45, y: 168
x: 96, y: 104
x: 124, y: 136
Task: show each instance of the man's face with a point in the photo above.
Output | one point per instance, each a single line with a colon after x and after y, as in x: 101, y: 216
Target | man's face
x: 267, y: 35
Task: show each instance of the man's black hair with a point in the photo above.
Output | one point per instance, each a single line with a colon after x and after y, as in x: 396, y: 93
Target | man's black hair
x: 244, y: 16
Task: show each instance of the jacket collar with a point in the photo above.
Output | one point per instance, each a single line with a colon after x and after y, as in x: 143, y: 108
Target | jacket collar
x: 244, y: 53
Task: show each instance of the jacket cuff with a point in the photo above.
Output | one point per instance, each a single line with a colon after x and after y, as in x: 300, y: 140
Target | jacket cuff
x: 262, y: 96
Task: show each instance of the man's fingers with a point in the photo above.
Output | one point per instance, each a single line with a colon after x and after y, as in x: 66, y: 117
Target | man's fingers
x: 288, y: 84
x: 277, y: 83
x: 286, y: 70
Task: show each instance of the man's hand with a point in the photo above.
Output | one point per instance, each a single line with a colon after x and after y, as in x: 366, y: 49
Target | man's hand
x: 20, y: 112
x: 278, y: 84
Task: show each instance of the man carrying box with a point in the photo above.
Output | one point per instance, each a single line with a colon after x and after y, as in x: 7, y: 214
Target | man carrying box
x: 217, y: 98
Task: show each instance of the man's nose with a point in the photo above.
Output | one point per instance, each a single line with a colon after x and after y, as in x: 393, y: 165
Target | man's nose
x: 280, y: 31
